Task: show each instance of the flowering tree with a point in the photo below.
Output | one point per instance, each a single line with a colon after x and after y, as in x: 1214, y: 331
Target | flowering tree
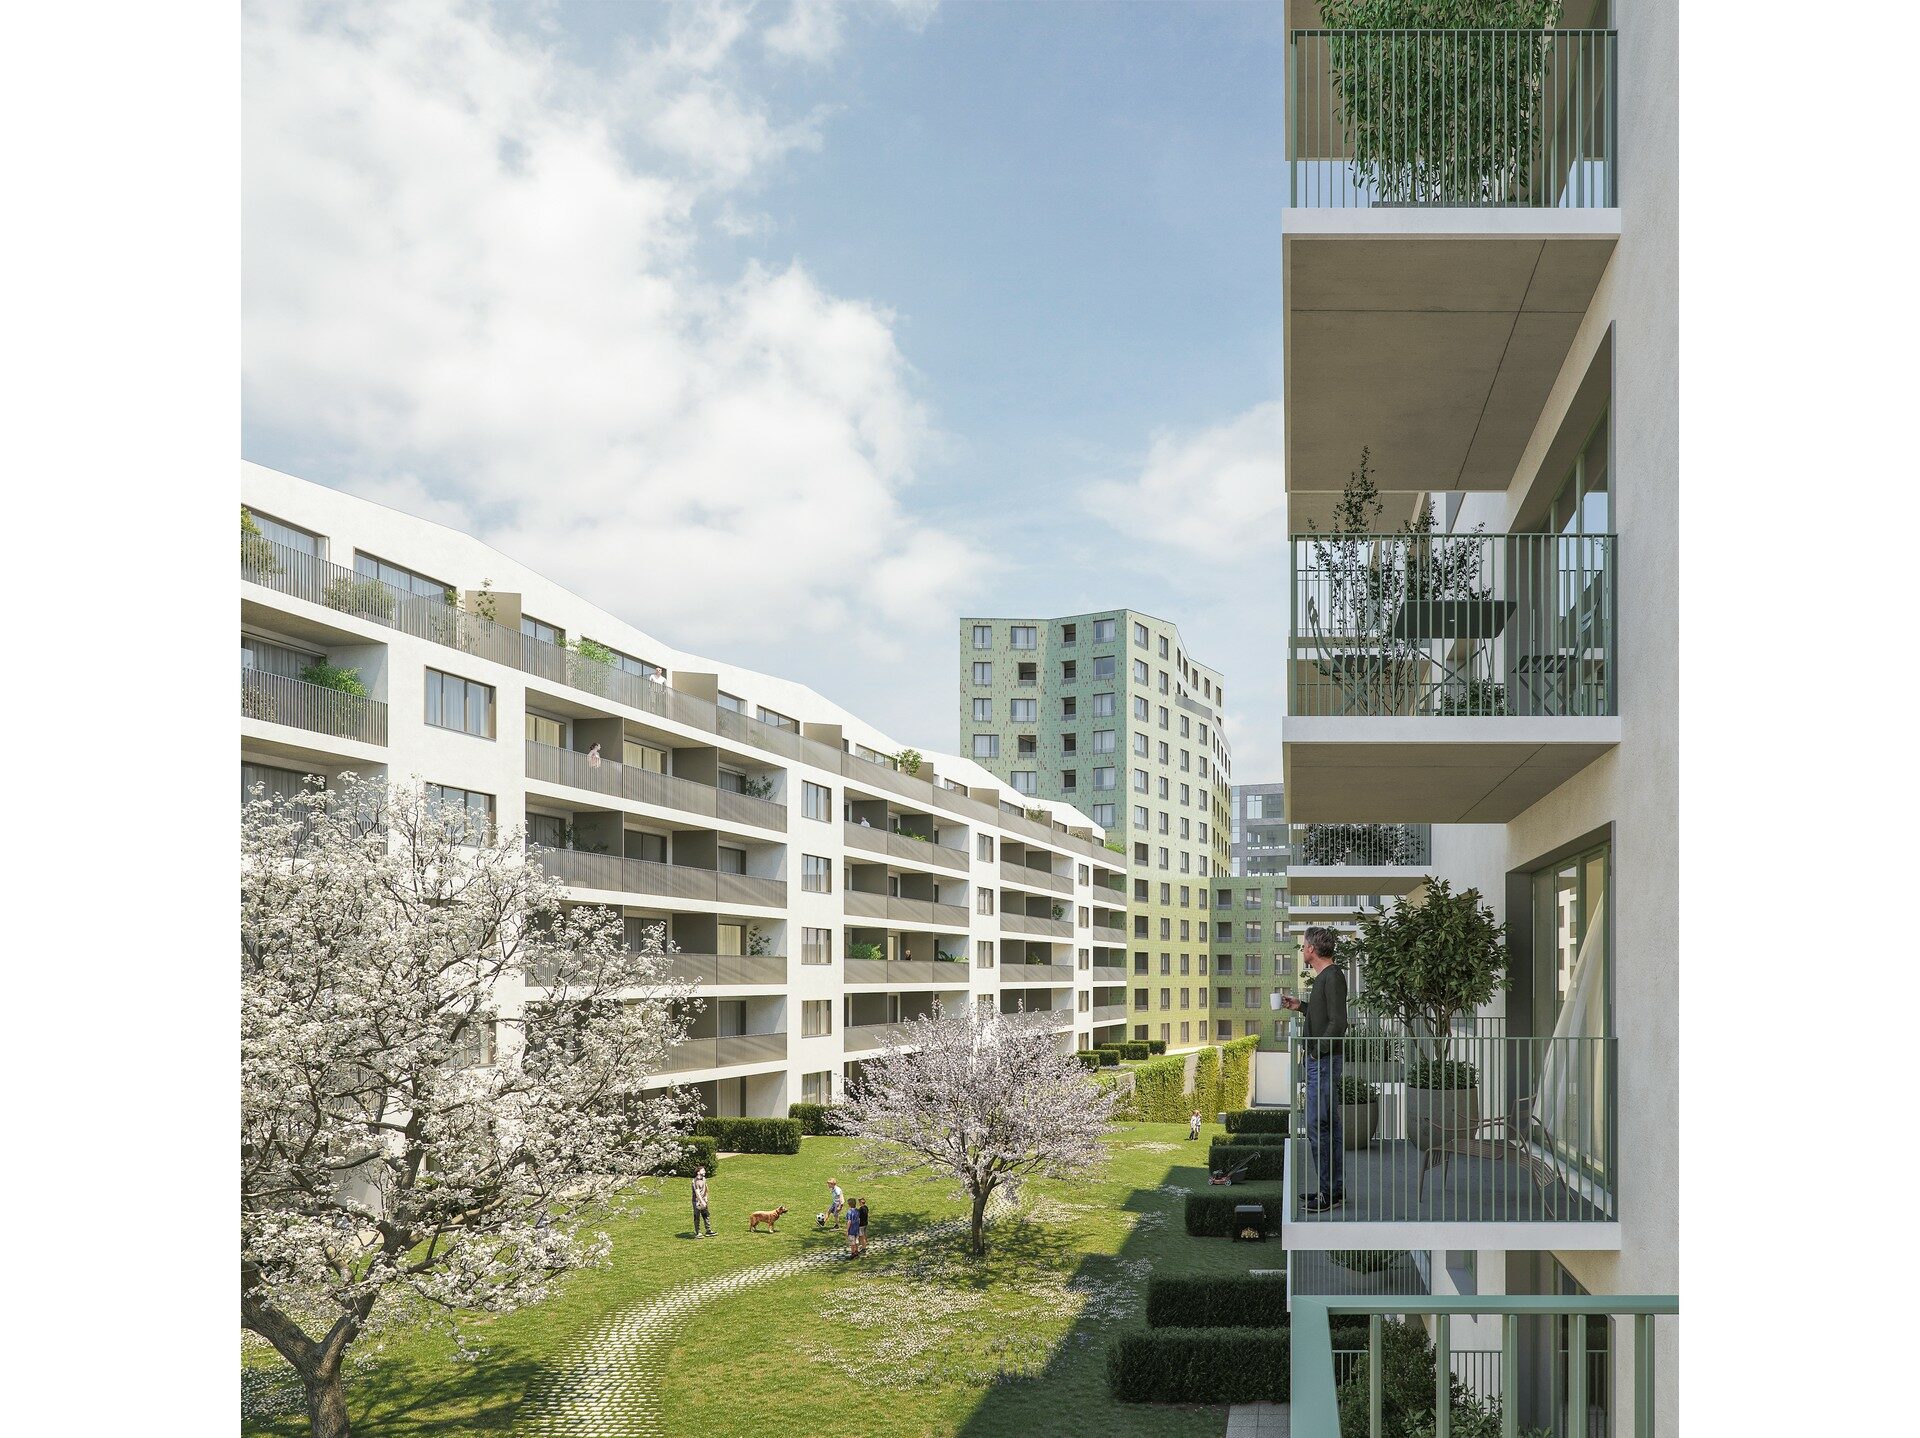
x: 986, y: 1100
x: 442, y: 1072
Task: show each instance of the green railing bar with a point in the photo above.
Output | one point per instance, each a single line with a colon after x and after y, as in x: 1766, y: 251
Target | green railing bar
x: 1487, y: 1305
x: 1577, y: 1373
x: 1442, y: 1376
x: 1510, y: 1376
x: 1643, y: 1376
x: 1376, y: 1376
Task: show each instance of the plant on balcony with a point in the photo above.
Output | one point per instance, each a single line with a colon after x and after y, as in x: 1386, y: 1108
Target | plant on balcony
x: 1332, y: 845
x: 359, y: 595
x: 757, y: 941
x: 1472, y: 697
x: 1059, y: 911
x: 255, y: 701
x: 1368, y: 1261
x: 908, y: 762
x: 336, y: 677
x: 1431, y: 962
x: 376, y: 938
x: 865, y: 953
x: 1431, y: 120
x: 589, y: 665
x: 757, y: 786
x: 1407, y: 1381
x: 944, y: 957
x: 257, y: 559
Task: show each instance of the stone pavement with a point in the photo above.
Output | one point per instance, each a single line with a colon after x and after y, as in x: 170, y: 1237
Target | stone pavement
x: 1258, y: 1420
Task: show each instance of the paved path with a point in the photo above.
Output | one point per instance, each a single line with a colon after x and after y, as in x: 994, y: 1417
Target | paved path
x: 607, y: 1385
x: 1259, y: 1420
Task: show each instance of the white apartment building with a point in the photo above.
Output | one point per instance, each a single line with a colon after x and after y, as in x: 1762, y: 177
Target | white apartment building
x: 1498, y: 329
x: 818, y: 894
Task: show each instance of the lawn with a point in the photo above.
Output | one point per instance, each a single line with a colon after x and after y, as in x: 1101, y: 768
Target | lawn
x: 914, y: 1339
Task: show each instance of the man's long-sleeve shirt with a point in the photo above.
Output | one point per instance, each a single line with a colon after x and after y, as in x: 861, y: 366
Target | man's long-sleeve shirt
x: 1327, y: 1005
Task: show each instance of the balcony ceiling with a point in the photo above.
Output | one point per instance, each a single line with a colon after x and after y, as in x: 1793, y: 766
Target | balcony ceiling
x: 1431, y: 337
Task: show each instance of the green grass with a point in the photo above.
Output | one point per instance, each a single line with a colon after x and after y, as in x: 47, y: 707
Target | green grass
x: 920, y: 1340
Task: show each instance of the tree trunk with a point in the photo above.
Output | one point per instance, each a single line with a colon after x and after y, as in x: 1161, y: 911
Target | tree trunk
x: 327, y: 1403
x: 978, y: 1245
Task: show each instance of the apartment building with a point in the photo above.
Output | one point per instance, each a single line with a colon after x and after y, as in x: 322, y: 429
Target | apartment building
x: 1479, y: 269
x: 818, y: 891
x: 1108, y: 712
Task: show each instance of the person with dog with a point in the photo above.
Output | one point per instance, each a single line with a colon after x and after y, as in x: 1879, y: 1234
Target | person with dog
x: 701, y: 1213
x: 853, y: 1231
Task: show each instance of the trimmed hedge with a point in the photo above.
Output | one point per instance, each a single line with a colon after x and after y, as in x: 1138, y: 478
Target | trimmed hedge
x: 813, y: 1117
x: 1088, y: 1060
x: 1156, y: 1047
x: 1258, y: 1120
x: 1206, y: 1083
x: 1210, y: 1211
x: 752, y: 1135
x: 1134, y: 1049
x: 695, y: 1151
x: 1109, y: 1055
x: 1236, y: 1071
x: 1230, y: 1300
x: 1251, y: 1140
x: 1160, y: 1090
x: 1262, y: 1160
x: 1199, y: 1365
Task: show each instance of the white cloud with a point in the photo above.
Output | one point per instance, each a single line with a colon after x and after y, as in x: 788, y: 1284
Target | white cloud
x: 468, y: 271
x: 1218, y: 493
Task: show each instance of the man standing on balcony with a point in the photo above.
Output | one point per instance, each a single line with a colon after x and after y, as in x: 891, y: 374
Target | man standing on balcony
x: 1326, y: 1011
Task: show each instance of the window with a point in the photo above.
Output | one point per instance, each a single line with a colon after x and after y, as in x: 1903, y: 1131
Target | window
x: 470, y: 810
x: 539, y: 629
x: 983, y: 636
x: 1103, y: 813
x: 1163, y: 646
x: 1103, y: 779
x: 395, y: 577
x: 1103, y: 706
x: 1028, y: 674
x: 983, y: 953
x: 1103, y: 740
x: 1250, y: 899
x: 1253, y: 931
x: 1069, y: 670
x: 1069, y: 708
x: 630, y: 665
x: 1140, y: 636
x: 816, y: 874
x: 542, y: 730
x: 1163, y: 690
x: 734, y: 702
x: 650, y: 847
x: 1140, y: 709
x: 1139, y: 816
x: 1026, y: 781
x: 817, y: 1087
x: 1104, y: 666
x: 1084, y: 1001
x: 643, y: 756
x: 986, y: 746
x: 1069, y: 743
x: 1140, y: 745
x: 1024, y: 711
x: 816, y: 801
x: 816, y: 946
x: 1069, y: 634
x: 983, y: 902
x: 983, y: 709
x: 1023, y: 636
x: 983, y: 671
x: 462, y: 704
x: 1140, y: 998
x: 1223, y: 999
x: 776, y: 719
x: 1139, y: 963
x: 1163, y: 716
x: 731, y: 861
x: 1166, y: 998
x: 290, y: 536
x: 276, y: 783
x: 1070, y: 780
x: 1103, y: 630
x: 985, y: 847
x: 1141, y: 673
x: 816, y: 1018
x: 1139, y: 781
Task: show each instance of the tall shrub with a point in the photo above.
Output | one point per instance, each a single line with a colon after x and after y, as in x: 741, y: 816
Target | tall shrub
x: 1160, y: 1090
x: 1206, y: 1083
x: 1431, y: 962
x: 1236, y: 1071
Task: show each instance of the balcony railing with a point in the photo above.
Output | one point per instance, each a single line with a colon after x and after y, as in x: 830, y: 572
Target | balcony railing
x: 1017, y: 923
x: 1109, y: 974
x: 673, y: 881
x: 281, y: 699
x: 861, y: 904
x: 1487, y: 1128
x: 1372, y: 846
x: 549, y: 764
x: 1452, y: 119
x: 1051, y: 975
x: 902, y: 846
x: 1032, y: 878
x: 725, y: 1051
x: 947, y: 973
x: 1452, y: 625
x: 1109, y: 1013
x: 728, y: 968
x: 1555, y: 1357
x: 1107, y: 934
x: 864, y: 1038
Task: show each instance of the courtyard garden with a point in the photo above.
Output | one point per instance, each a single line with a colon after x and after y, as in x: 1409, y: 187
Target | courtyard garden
x: 750, y: 1333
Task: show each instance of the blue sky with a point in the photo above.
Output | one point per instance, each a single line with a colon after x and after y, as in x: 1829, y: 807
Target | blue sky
x: 793, y: 332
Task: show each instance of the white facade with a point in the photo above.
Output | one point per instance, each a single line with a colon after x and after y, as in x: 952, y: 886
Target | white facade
x: 699, y: 814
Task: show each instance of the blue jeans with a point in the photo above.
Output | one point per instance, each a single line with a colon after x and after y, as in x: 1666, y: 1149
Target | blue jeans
x: 1324, y: 1138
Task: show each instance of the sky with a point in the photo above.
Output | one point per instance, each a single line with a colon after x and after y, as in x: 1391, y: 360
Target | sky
x: 792, y: 332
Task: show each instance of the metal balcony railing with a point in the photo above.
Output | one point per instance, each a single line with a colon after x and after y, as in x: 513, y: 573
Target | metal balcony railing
x: 1483, y: 1128
x: 1015, y: 975
x: 1109, y: 1013
x: 724, y: 1051
x: 1342, y: 846
x: 946, y: 973
x: 864, y: 1038
x: 281, y: 699
x: 549, y: 764
x: 860, y: 903
x: 1109, y: 935
x: 728, y: 968
x: 1109, y: 974
x: 1452, y: 625
x: 902, y: 846
x: 1463, y: 118
x: 1017, y: 923
x: 673, y: 881
x: 1032, y: 878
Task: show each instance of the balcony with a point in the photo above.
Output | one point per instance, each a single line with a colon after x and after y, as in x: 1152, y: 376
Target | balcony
x: 1109, y: 1013
x: 1508, y: 1144
x: 281, y: 699
x: 1109, y: 974
x: 1050, y: 975
x: 1034, y: 925
x: 945, y: 973
x: 1451, y: 209
x: 1027, y: 876
x: 614, y: 874
x: 725, y: 1051
x: 721, y: 970
x: 908, y: 847
x: 1109, y: 935
x: 865, y: 1038
x: 1358, y: 858
x: 547, y: 764
x: 861, y: 904
x: 1446, y: 678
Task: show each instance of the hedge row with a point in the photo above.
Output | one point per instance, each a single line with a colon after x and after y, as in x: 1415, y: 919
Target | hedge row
x: 1232, y: 1300
x: 1206, y: 1083
x: 1134, y: 1048
x: 1210, y: 1211
x: 696, y: 1151
x: 752, y: 1135
x: 1156, y: 1046
x: 1102, y: 1057
x: 1258, y: 1160
x: 813, y: 1117
x: 1160, y: 1090
x: 1236, y: 1071
x: 1258, y: 1120
x: 1251, y: 1140
x: 1199, y: 1365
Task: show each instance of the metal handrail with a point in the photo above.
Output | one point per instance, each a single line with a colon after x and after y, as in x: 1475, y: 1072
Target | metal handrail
x: 299, y: 704
x: 1336, y: 846
x: 1034, y: 878
x: 550, y: 764
x: 643, y: 876
x: 902, y: 846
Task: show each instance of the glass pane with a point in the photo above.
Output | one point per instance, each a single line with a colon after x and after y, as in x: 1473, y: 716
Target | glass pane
x: 1596, y: 509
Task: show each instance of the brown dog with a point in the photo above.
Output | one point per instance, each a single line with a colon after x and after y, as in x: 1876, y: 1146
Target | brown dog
x: 767, y: 1216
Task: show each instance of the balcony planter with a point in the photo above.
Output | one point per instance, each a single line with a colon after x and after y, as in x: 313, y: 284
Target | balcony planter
x: 1359, y: 1113
x: 1443, y: 1102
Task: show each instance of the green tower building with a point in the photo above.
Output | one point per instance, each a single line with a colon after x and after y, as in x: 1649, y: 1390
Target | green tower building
x: 1110, y: 713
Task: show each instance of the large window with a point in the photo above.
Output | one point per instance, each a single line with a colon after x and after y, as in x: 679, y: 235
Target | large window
x: 1023, y: 711
x: 539, y: 629
x: 816, y: 946
x: 469, y: 805
x: 986, y: 746
x: 1585, y: 502
x: 983, y: 709
x: 816, y: 1018
x: 404, y: 580
x: 1103, y: 706
x: 462, y: 704
x: 816, y: 874
x: 1103, y: 814
x: 276, y: 783
x: 983, y: 636
x: 816, y: 801
x: 1103, y: 630
x: 1026, y: 781
x: 1103, y: 777
x: 542, y: 730
x: 1023, y: 636
x: 983, y: 671
x: 777, y: 719
x: 817, y: 1087
x: 301, y: 541
x: 1104, y: 666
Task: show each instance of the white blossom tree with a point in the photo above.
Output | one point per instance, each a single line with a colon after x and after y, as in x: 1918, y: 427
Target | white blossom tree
x: 442, y: 1073
x: 984, y: 1099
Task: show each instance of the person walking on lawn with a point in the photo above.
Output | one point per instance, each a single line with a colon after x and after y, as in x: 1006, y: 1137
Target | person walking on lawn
x: 853, y: 1230
x: 866, y: 1226
x: 836, y: 1201
x: 1326, y: 1014
x: 701, y: 1213
x: 1193, y: 1126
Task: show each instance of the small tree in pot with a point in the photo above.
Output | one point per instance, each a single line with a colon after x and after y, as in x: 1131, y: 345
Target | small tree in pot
x: 1359, y: 1112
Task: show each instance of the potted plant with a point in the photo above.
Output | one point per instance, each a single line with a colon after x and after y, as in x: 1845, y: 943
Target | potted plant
x: 865, y: 953
x: 1442, y: 1100
x: 1359, y: 1112
x: 908, y: 762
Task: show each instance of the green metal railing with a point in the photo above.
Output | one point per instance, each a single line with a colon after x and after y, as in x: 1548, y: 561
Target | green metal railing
x: 1485, y: 1128
x: 282, y: 699
x: 1452, y: 625
x: 1563, y: 1383
x: 1452, y: 119
x: 1333, y: 846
